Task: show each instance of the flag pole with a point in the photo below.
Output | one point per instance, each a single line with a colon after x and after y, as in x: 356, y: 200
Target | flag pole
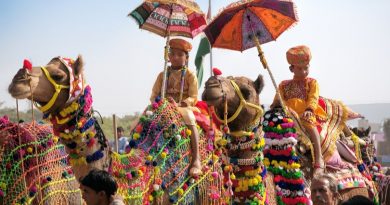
x: 211, y: 49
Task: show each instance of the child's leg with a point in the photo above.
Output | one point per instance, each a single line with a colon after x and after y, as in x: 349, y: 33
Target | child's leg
x: 189, y: 119
x: 196, y: 166
x: 316, y: 140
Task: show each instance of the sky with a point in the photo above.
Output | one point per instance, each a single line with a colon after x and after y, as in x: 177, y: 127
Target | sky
x: 349, y: 41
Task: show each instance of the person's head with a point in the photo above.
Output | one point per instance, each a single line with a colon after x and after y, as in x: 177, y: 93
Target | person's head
x: 97, y: 187
x: 120, y: 131
x: 361, y: 200
x: 178, y: 52
x: 299, y: 58
x: 324, y: 190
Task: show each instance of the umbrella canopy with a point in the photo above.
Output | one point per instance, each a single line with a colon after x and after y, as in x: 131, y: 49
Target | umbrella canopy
x: 234, y: 28
x: 170, y: 17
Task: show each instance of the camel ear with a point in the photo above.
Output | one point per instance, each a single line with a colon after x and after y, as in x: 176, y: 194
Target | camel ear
x: 78, y: 65
x: 355, y: 130
x: 259, y: 84
x: 368, y: 130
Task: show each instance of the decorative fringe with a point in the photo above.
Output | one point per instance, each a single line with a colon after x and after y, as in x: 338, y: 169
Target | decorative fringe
x: 281, y: 159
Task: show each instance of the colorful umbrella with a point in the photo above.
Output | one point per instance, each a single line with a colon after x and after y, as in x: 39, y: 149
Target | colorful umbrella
x: 248, y: 23
x: 170, y: 18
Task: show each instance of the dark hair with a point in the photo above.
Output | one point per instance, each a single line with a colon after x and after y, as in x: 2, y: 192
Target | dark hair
x: 120, y: 129
x: 100, y: 180
x: 358, y: 199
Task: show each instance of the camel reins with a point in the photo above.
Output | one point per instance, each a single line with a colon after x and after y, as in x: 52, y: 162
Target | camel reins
x: 57, y: 88
x: 243, y: 103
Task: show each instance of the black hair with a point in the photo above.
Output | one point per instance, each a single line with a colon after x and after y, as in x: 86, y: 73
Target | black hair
x: 358, y: 199
x: 100, y: 180
x: 120, y: 129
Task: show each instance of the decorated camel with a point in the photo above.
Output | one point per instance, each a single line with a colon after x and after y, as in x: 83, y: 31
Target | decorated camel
x: 279, y: 152
x: 237, y: 107
x: 155, y: 167
x: 368, y: 156
x: 33, y: 168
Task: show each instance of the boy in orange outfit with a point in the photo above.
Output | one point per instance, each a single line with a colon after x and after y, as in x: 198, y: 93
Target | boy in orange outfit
x: 301, y: 94
x: 182, y: 86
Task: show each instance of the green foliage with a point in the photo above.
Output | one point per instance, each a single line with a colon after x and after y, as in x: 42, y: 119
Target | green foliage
x: 126, y: 121
x: 23, y: 115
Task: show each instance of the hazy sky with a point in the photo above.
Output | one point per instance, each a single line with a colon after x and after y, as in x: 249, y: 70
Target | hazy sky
x: 349, y: 41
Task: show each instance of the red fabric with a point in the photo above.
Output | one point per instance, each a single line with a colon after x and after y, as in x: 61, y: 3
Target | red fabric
x: 217, y: 72
x: 200, y: 117
x: 27, y: 65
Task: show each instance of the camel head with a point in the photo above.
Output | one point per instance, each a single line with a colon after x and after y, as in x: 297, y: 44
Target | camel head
x: 219, y: 89
x: 51, y: 87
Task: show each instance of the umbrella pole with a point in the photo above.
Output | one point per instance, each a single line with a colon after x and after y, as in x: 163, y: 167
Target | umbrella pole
x: 166, y: 51
x: 166, y: 59
x: 265, y: 66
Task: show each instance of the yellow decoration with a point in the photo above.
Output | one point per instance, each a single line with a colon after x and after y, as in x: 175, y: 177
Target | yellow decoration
x: 3, y: 186
x: 140, y: 173
x: 136, y: 136
x: 55, y: 140
x: 78, y: 162
x: 149, y: 158
x: 188, y: 132
x: 30, y: 150
x: 150, y: 198
x: 163, y: 155
x: 232, y: 176
x: 215, y: 158
x: 180, y: 192
x: 255, y: 182
x: 222, y: 142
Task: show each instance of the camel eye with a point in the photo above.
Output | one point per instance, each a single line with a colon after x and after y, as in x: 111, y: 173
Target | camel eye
x: 245, y: 93
x: 58, y: 76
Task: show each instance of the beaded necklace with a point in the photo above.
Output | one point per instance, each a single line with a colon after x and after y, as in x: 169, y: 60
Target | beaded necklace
x: 182, y: 80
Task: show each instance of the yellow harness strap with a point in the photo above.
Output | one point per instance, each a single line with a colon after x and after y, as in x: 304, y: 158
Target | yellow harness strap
x: 243, y: 103
x: 57, y: 88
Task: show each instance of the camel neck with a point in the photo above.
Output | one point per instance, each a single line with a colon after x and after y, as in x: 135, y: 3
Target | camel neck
x: 80, y: 133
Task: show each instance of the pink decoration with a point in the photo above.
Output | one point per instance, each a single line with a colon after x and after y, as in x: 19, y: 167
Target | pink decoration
x: 155, y: 105
x: 209, y: 147
x: 214, y: 175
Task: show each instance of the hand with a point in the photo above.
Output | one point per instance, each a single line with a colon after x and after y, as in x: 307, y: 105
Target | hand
x: 308, y: 114
x: 183, y: 104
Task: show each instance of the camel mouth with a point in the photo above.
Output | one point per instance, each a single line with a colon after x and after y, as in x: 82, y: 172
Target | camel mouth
x: 22, y: 94
x: 212, y: 99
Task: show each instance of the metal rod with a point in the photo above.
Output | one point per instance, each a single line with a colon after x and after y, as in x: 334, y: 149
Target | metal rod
x: 115, y: 133
x: 211, y: 48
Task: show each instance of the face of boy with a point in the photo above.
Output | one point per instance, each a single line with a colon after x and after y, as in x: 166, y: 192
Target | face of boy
x: 300, y: 71
x: 177, y: 57
x: 91, y: 197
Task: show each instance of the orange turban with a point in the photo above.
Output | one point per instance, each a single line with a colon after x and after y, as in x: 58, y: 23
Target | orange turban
x: 180, y: 44
x: 299, y: 55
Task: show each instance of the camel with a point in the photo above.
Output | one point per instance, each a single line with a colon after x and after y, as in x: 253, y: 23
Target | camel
x: 218, y: 89
x: 243, y: 172
x: 60, y: 92
x: 33, y: 166
x: 368, y: 154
